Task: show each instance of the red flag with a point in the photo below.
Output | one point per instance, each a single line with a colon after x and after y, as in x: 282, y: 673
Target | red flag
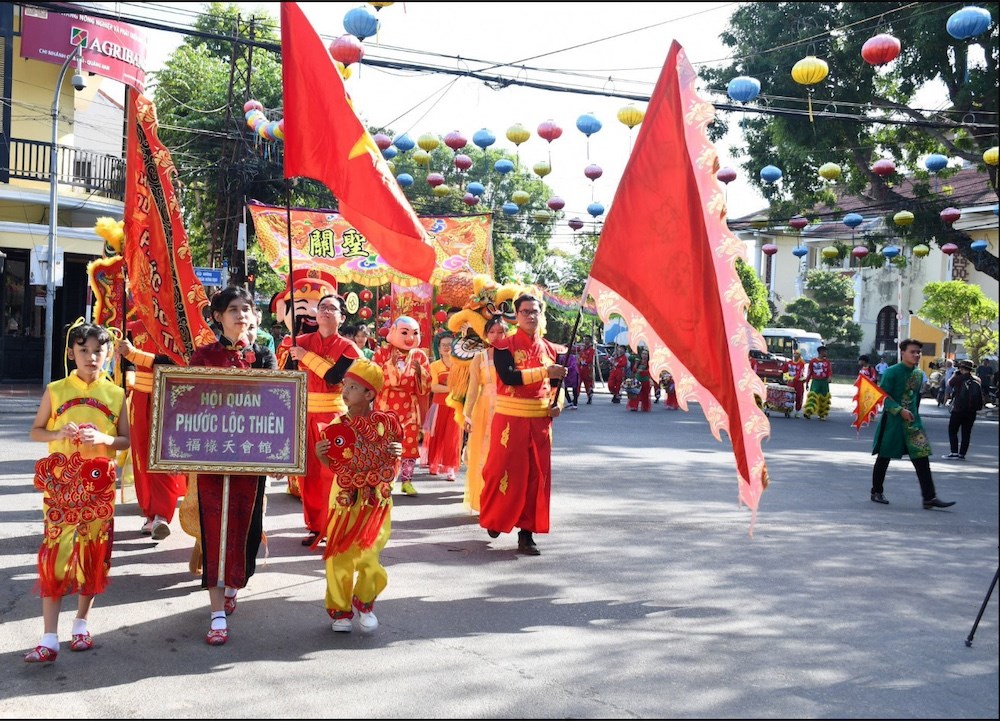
x: 666, y: 252
x: 325, y: 141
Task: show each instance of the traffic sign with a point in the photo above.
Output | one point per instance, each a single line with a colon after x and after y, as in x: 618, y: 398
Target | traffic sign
x: 209, y: 276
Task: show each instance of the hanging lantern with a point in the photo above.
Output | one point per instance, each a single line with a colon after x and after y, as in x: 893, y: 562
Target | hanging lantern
x: 520, y: 197
x: 770, y: 174
x: 798, y: 222
x: 759, y: 221
x: 829, y: 171
x: 884, y: 168
x: 252, y: 105
x: 830, y: 252
x: 390, y: 153
x: 503, y: 166
x: 588, y: 124
x: 347, y: 49
x: 860, y: 252
x: 470, y: 199
x: 630, y: 116
x: 903, y: 219
x: 743, y: 89
x: 979, y: 245
x: 968, y: 22
x: 517, y: 134
x: 365, y: 313
x: 541, y: 168
x: 593, y: 171
x: 726, y: 175
x: 435, y: 179
x: 382, y: 140
x: 279, y: 130
x: 921, y: 250
x: 949, y: 248
x: 556, y: 203
x: 769, y: 249
x: 890, y: 251
x: 935, y: 162
x: 365, y: 295
x: 595, y: 209
x: 441, y: 316
x: 542, y: 216
x: 809, y: 71
x: 361, y: 22
x: 428, y: 142
x: 441, y: 191
x: 383, y: 331
x: 421, y: 157
x: 881, y: 49
x: 510, y: 208
x: 950, y: 215
x: 798, y: 251
x: 991, y: 156
x: 475, y: 188
x: 853, y: 220
x: 403, y: 142
x: 405, y: 180
x: 483, y: 138
x: 549, y: 131
x: 575, y: 223
x: 455, y: 140
x: 462, y: 161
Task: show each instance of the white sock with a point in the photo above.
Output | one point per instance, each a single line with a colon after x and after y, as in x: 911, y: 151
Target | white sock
x: 231, y: 592
x: 50, y: 641
x: 79, y: 626
x: 219, y: 621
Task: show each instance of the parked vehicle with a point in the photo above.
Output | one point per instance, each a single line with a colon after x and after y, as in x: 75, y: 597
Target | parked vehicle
x: 783, y: 341
x: 769, y: 367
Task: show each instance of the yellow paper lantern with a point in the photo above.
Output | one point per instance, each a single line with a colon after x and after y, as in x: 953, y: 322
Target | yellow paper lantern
x: 441, y: 191
x: 428, y: 142
x: 517, y: 133
x: 421, y: 157
x: 520, y: 197
x: 991, y: 156
x: 759, y: 221
x: 830, y: 171
x: 631, y: 116
x: 810, y: 70
x: 380, y: 5
x: 903, y: 218
x: 542, y: 168
x: 542, y: 216
x: 830, y: 252
x: 921, y: 250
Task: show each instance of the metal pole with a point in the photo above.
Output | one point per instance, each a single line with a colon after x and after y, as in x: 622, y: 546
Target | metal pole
x: 50, y: 279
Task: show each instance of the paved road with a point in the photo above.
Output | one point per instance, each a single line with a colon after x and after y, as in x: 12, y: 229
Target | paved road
x: 650, y: 599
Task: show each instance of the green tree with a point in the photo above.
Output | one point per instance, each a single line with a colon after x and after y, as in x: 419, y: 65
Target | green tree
x: 827, y: 311
x: 759, y: 310
x: 966, y: 311
x: 768, y: 38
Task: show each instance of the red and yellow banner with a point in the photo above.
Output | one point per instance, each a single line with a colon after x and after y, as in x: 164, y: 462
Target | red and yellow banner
x: 320, y: 237
x: 868, y: 399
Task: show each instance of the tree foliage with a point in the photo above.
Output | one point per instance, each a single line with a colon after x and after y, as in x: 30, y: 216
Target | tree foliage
x: 965, y: 311
x: 759, y: 310
x: 768, y: 38
x: 827, y: 310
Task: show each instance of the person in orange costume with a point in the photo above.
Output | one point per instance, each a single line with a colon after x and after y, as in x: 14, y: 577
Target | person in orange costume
x: 156, y: 493
x: 445, y: 448
x: 517, y: 476
x: 325, y: 356
x: 407, y: 374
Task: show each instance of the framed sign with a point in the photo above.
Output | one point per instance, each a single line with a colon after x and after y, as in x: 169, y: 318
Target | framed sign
x: 228, y: 420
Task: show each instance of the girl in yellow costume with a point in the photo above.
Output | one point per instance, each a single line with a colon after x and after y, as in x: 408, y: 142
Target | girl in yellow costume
x: 480, y: 402
x: 82, y: 417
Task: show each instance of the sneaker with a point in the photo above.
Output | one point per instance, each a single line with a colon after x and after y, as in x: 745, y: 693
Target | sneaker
x: 147, y: 527
x: 952, y: 456
x: 367, y: 621
x: 408, y: 489
x: 880, y: 498
x: 160, y: 529
x: 342, y: 625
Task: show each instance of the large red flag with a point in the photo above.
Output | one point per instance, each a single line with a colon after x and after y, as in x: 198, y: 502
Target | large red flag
x: 666, y: 263
x: 325, y: 141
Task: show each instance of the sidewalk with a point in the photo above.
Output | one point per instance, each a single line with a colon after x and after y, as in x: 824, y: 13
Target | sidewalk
x: 19, y: 398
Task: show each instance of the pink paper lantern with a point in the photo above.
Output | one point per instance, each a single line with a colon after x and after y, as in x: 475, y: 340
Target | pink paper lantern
x: 949, y: 248
x: 593, y: 171
x: 726, y: 175
x: 435, y: 179
x: 556, y: 203
x: 950, y: 215
x: 549, y: 131
x: 798, y: 222
x: 462, y: 161
x: 347, y: 49
x: 382, y: 140
x: 884, y: 168
x: 455, y: 140
x: 859, y: 252
x: 769, y: 249
x: 881, y: 49
x: 470, y: 199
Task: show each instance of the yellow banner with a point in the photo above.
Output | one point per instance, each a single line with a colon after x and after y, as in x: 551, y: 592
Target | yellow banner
x: 461, y: 244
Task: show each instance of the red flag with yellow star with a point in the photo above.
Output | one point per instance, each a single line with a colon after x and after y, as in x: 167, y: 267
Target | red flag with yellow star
x: 867, y: 400
x: 325, y: 141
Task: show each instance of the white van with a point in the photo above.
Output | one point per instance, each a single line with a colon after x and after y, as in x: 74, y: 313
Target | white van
x: 782, y: 341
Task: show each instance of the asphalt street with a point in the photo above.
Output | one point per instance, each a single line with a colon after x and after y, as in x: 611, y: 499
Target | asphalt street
x: 650, y: 600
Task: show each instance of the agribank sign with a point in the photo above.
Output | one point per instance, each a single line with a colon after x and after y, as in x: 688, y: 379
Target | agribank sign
x: 111, y: 49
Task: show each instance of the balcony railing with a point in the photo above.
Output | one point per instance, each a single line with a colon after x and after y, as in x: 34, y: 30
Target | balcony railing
x: 94, y: 172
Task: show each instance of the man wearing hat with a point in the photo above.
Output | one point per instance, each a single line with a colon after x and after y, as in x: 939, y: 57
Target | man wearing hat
x: 966, y: 397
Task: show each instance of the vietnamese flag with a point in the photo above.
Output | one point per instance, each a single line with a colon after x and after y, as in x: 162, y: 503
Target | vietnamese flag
x: 666, y: 262
x: 325, y: 141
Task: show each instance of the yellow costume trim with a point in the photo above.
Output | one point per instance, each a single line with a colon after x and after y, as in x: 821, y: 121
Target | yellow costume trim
x: 523, y: 407
x: 316, y: 363
x: 325, y: 402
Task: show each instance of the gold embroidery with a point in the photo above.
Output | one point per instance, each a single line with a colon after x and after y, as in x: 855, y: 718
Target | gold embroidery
x: 505, y: 436
x: 504, y: 483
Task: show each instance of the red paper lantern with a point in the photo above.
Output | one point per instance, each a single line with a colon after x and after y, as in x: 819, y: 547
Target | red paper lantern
x: 880, y: 50
x: 884, y: 168
x: 462, y: 161
x: 347, y: 49
x: 726, y: 175
x: 383, y: 331
x: 365, y: 312
x: 440, y: 300
x: 859, y: 252
x: 575, y: 223
x: 549, y: 131
x: 441, y: 316
x: 365, y: 295
x: 798, y: 222
x: 455, y: 140
x: 769, y: 249
x: 949, y: 248
x: 950, y: 215
x: 435, y: 179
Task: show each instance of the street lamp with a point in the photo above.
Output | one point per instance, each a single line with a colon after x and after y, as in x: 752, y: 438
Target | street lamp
x: 50, y: 280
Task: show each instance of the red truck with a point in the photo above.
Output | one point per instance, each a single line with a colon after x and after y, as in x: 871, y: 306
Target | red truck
x: 770, y: 368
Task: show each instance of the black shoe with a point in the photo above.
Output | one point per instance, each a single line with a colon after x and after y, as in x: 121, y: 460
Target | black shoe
x: 493, y: 534
x: 880, y: 498
x: 526, y: 544
x: 935, y: 503
x: 588, y: 400
x: 616, y: 399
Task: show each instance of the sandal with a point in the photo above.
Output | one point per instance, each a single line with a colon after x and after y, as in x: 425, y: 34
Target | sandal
x: 217, y: 637
x: 230, y: 605
x: 81, y: 642
x: 41, y: 654
x: 310, y: 538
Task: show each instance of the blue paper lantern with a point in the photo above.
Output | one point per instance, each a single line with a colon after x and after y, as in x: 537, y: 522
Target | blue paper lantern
x: 798, y: 251
x: 404, y: 142
x: 483, y: 138
x: 890, y: 251
x: 853, y: 220
x: 770, y: 174
x: 743, y: 89
x: 979, y: 245
x: 968, y: 22
x: 595, y: 209
x: 588, y: 124
x: 476, y: 189
x: 405, y: 180
x: 511, y: 208
x: 390, y: 153
x: 361, y: 22
x: 503, y: 166
x: 935, y: 162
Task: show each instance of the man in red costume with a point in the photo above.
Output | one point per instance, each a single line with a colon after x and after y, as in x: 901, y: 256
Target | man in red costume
x: 517, y: 476
x: 588, y: 356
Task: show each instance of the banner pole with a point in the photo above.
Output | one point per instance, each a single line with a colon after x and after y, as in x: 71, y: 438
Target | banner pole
x: 288, y: 227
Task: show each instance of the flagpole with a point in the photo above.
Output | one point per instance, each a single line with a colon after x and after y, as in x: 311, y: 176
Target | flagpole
x: 291, y: 278
x: 572, y: 340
